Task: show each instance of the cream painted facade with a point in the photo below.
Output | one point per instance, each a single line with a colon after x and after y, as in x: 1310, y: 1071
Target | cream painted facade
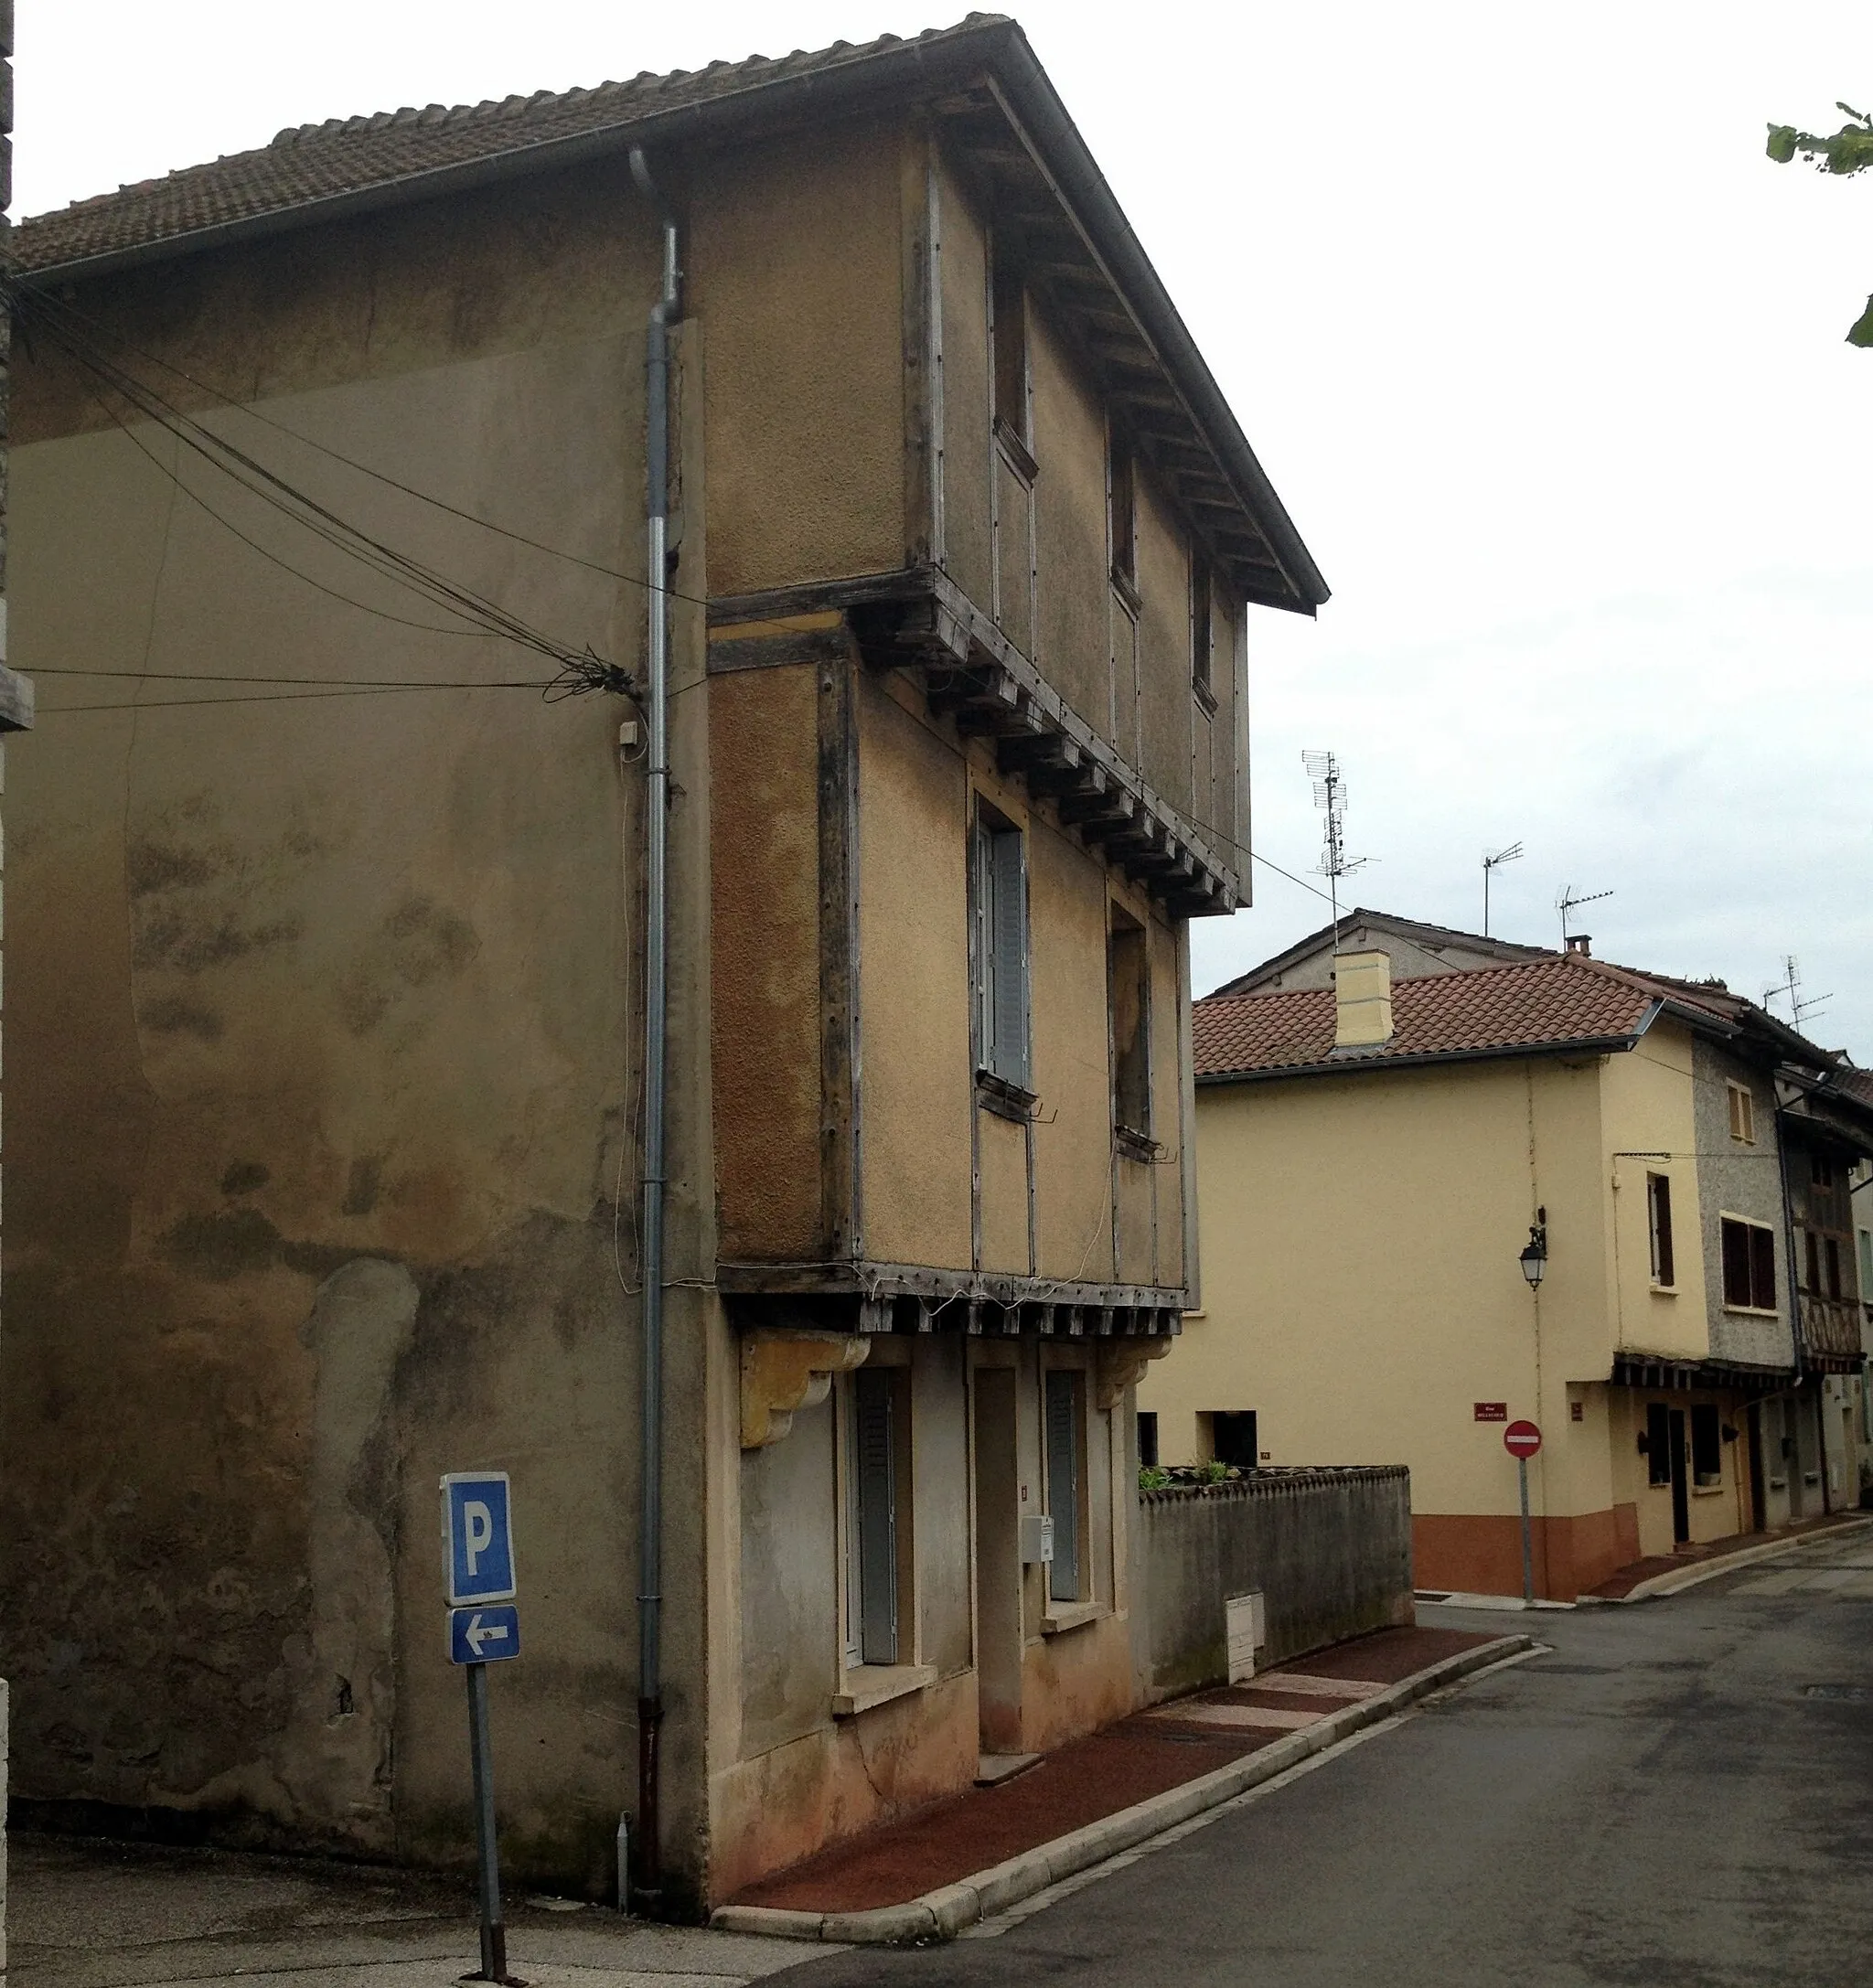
x: 332, y: 1006
x: 1363, y: 1300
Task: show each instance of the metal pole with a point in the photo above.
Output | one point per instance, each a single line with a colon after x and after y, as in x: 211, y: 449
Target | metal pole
x: 494, y: 1934
x: 1527, y: 1534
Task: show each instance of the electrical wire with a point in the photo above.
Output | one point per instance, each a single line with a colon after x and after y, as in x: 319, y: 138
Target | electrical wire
x: 279, y: 697
x: 579, y: 672
x: 94, y: 330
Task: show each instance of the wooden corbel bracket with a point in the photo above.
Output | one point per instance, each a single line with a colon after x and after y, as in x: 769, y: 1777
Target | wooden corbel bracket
x: 783, y: 1373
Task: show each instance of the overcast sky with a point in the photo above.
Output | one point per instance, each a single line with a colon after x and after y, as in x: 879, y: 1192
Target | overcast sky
x: 1543, y: 354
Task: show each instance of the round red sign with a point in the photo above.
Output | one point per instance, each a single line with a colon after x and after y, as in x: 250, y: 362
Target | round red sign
x: 1521, y: 1438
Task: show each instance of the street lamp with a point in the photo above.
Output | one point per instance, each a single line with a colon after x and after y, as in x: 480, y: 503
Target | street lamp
x: 1534, y: 1258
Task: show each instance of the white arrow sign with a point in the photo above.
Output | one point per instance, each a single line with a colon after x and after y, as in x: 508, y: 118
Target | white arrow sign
x: 479, y: 1637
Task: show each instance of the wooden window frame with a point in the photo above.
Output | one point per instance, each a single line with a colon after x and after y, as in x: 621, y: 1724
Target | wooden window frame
x: 1001, y: 962
x: 1760, y: 1265
x: 1658, y: 1225
x: 1129, y: 985
x: 1203, y: 625
x: 1121, y: 513
x: 1743, y: 1104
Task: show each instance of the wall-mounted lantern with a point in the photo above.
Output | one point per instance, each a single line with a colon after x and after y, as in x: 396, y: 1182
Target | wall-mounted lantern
x: 1535, y: 1257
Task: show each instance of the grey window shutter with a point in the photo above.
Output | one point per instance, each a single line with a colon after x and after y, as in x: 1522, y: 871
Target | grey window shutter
x: 984, y: 962
x: 877, y: 1517
x: 1009, y: 941
x: 1063, y: 1485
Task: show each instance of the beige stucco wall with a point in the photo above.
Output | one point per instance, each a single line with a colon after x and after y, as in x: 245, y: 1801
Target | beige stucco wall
x: 322, y: 1058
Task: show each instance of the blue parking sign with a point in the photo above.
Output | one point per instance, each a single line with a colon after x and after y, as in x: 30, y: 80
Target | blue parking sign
x: 477, y: 1543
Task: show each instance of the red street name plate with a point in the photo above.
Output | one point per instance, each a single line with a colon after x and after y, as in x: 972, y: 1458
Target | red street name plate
x: 1491, y: 1411
x: 1521, y: 1438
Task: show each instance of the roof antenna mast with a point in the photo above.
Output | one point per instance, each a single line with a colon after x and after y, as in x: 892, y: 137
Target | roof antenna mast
x: 1568, y: 901
x: 1510, y: 855
x: 1800, y: 1005
x: 1330, y: 798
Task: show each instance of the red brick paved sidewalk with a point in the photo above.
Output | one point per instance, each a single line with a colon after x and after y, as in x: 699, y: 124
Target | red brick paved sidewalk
x: 1623, y: 1580
x: 1095, y: 1777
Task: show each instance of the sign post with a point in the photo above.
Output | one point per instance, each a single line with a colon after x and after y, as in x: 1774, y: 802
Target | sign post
x: 1522, y: 1439
x: 484, y: 1628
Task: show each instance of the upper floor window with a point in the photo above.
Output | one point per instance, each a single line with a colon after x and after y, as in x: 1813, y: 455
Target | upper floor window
x: 1658, y: 1214
x: 1821, y: 1169
x: 1832, y: 1254
x: 1121, y: 502
x: 1000, y: 960
x: 1008, y: 301
x: 1202, y: 631
x: 1742, y: 1114
x: 1128, y: 969
x: 1749, y: 1265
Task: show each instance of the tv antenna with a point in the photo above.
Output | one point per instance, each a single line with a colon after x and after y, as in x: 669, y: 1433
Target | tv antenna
x: 1567, y: 901
x: 1800, y: 1004
x: 1330, y: 798
x: 1510, y: 855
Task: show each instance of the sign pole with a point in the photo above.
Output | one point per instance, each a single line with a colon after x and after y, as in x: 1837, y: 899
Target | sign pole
x: 1527, y: 1538
x: 494, y: 1933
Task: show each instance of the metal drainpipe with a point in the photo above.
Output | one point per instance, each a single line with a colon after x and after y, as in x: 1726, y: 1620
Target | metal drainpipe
x: 663, y: 313
x: 1801, y: 1344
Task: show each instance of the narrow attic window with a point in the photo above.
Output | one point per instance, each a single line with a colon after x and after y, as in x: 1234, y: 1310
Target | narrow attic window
x: 1122, y: 488
x: 1201, y: 633
x: 1742, y: 1114
x: 1008, y: 302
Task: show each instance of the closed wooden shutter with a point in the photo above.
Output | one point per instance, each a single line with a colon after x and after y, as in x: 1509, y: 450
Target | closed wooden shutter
x: 1660, y: 1190
x: 1063, y: 1484
x: 874, y: 1465
x: 1762, y: 1269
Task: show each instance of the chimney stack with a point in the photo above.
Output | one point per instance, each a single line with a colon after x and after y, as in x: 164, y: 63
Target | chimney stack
x: 1362, y: 1000
x: 1580, y: 942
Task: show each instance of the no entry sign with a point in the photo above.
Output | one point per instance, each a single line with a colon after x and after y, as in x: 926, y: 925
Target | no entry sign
x: 1521, y: 1438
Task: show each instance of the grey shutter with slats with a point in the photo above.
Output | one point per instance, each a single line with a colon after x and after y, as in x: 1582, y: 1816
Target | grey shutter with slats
x: 875, y: 1466
x: 1009, y: 940
x: 1063, y: 1484
x: 985, y: 956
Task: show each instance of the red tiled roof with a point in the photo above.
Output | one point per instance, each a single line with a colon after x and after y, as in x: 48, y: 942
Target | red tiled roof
x: 351, y: 156
x: 1561, y: 1002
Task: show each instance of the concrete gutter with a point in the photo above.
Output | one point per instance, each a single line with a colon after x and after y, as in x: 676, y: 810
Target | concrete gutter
x: 1676, y: 1583
x: 944, y: 1913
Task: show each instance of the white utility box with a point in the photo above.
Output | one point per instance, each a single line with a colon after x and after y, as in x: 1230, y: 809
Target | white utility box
x: 1036, y: 1539
x: 1247, y: 1621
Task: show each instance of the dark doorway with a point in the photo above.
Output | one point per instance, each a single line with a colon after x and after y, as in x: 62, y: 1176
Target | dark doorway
x: 1147, y: 1436
x: 1234, y: 1437
x: 1759, y: 1489
x: 1681, y: 1486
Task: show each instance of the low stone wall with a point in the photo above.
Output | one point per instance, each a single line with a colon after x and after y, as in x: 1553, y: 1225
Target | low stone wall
x: 1330, y: 1551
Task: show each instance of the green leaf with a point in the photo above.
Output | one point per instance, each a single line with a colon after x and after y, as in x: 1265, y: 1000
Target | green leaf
x: 1782, y: 142
x: 1861, y: 333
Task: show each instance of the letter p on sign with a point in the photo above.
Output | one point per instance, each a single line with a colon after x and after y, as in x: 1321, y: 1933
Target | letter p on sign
x: 477, y: 1543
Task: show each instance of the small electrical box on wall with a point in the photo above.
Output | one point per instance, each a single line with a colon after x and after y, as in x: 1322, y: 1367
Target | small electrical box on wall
x: 1246, y: 1618
x: 1036, y: 1539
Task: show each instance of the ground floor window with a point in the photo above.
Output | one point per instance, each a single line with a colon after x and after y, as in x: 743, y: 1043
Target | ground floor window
x: 1658, y: 1443
x: 1233, y: 1437
x: 1706, y: 1446
x: 1147, y: 1436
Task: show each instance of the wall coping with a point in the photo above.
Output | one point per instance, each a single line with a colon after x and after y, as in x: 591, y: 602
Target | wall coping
x: 1271, y: 1481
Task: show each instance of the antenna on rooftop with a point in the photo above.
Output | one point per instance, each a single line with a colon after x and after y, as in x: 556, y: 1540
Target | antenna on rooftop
x: 1330, y: 798
x: 1571, y: 900
x: 1800, y: 1004
x: 1510, y: 855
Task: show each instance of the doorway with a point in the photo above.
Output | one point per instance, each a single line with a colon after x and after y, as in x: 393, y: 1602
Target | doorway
x: 998, y: 1562
x: 1681, y: 1486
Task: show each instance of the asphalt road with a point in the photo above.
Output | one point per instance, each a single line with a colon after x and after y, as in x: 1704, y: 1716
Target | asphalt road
x: 1680, y: 1793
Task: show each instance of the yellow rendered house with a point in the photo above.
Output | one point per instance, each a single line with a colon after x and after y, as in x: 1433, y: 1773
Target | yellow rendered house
x: 1541, y: 1188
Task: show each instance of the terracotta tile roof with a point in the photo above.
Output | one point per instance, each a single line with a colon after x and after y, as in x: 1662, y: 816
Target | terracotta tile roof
x: 351, y: 155
x: 1487, y: 1011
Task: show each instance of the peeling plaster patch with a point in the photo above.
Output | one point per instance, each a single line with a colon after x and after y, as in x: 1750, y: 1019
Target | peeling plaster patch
x: 335, y: 1759
x: 179, y: 1017
x: 418, y: 942
x: 361, y: 1189
x: 240, y: 1242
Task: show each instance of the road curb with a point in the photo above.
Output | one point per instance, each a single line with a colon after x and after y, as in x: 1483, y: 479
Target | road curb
x: 1676, y: 1583
x: 944, y: 1913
